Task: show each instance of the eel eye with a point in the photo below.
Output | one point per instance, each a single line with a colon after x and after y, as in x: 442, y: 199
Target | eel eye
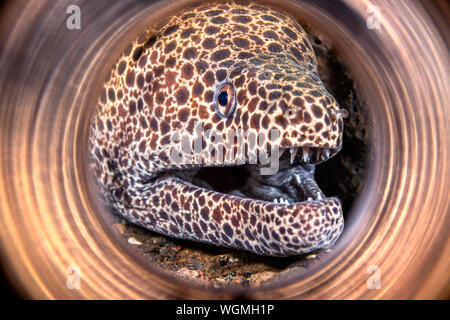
x: 225, y: 99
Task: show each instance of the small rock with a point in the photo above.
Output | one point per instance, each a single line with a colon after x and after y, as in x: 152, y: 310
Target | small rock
x: 190, y: 274
x: 239, y: 280
x: 194, y: 275
x: 258, y: 278
x: 134, y: 241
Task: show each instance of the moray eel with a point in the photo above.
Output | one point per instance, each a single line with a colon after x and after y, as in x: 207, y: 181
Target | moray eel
x: 210, y: 71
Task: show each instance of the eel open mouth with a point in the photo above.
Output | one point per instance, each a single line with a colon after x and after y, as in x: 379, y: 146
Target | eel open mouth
x: 281, y: 214
x: 292, y: 183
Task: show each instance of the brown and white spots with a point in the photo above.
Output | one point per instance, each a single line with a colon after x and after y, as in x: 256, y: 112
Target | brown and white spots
x: 130, y: 78
x: 221, y: 74
x: 187, y: 71
x: 241, y: 42
x: 220, y: 55
x: 209, y: 43
x: 182, y: 95
x: 209, y: 79
x: 190, y: 53
x: 197, y: 89
x: 317, y: 111
x: 169, y: 81
x: 274, y: 47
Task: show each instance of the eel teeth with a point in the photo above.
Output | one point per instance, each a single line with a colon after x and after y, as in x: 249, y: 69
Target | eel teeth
x: 280, y: 201
x: 305, y: 154
x: 317, y: 153
x: 293, y: 154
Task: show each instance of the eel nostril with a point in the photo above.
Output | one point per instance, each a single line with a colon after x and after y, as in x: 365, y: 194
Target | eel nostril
x: 344, y: 113
x: 338, y: 114
x: 290, y: 113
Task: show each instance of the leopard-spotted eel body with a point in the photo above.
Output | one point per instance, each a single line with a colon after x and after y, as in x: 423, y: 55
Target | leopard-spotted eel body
x: 220, y: 68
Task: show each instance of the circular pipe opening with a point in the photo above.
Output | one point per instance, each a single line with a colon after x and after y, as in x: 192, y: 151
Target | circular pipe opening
x: 230, y: 269
x: 396, y: 223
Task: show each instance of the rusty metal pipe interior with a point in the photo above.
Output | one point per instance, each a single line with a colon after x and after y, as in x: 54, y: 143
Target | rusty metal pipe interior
x: 50, y: 218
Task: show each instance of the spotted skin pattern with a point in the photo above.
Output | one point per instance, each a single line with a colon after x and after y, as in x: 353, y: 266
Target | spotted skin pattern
x: 166, y: 83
